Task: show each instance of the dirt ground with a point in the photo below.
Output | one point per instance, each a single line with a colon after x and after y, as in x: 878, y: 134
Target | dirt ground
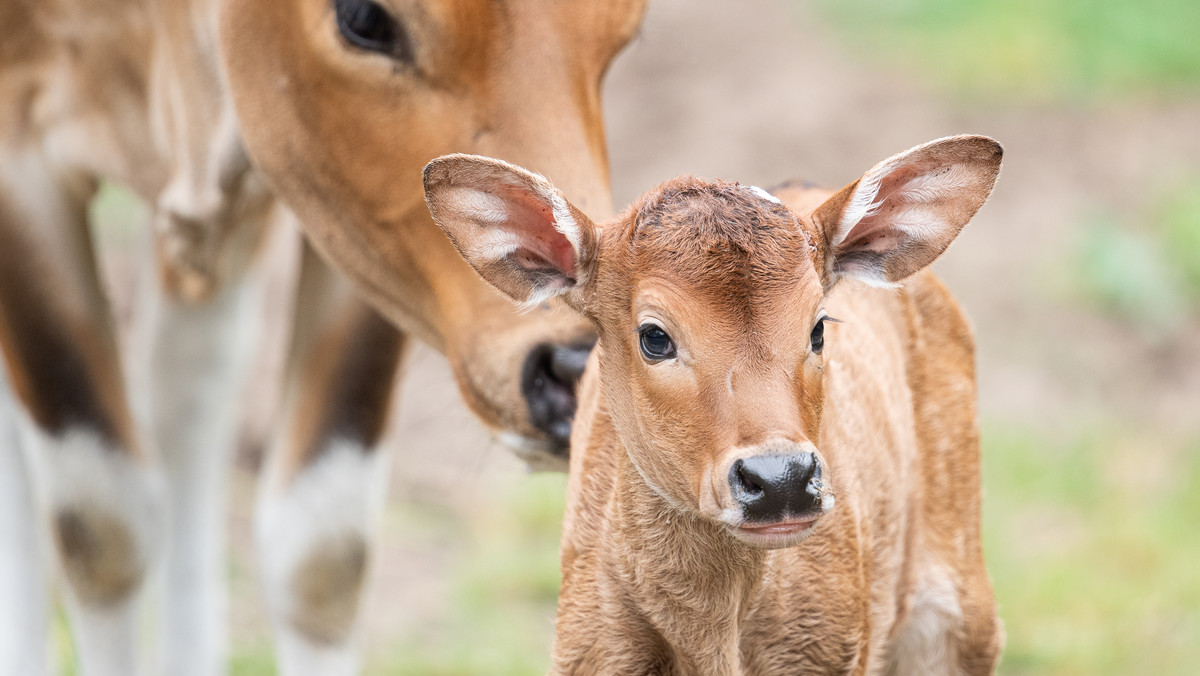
x: 758, y: 91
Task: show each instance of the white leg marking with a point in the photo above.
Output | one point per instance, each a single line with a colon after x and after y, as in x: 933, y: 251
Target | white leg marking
x: 331, y: 508
x: 106, y: 513
x: 925, y: 644
x: 198, y: 359
x: 23, y: 598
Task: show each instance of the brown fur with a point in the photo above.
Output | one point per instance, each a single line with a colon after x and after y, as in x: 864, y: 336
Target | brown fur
x: 135, y: 93
x: 829, y: 605
x: 142, y: 94
x: 660, y: 575
x: 344, y: 362
x: 342, y: 134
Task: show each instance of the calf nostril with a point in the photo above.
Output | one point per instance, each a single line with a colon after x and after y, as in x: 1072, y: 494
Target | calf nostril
x: 746, y: 480
x: 771, y: 486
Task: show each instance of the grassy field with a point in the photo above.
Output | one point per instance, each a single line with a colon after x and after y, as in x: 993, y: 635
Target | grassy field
x: 1032, y: 49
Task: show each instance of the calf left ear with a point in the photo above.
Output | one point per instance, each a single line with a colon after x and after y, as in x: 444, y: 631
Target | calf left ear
x: 514, y: 227
x: 905, y: 211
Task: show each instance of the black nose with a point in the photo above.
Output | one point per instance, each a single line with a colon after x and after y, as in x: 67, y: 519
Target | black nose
x: 551, y: 374
x: 773, y: 487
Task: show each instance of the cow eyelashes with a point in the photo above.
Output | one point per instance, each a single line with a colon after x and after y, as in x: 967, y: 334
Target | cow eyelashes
x: 816, y: 339
x: 655, y: 343
x: 367, y: 25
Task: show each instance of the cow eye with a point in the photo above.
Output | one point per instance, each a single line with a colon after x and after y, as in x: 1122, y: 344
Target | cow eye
x: 817, y: 338
x: 656, y: 344
x: 367, y: 25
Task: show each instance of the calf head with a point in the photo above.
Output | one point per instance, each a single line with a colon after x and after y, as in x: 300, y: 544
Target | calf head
x: 709, y: 299
x: 341, y: 102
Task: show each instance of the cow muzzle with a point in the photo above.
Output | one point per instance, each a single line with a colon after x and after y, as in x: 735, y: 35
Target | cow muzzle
x: 548, y: 384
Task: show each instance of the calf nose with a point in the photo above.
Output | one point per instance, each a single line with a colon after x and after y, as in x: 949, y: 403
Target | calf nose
x: 773, y: 487
x: 548, y: 384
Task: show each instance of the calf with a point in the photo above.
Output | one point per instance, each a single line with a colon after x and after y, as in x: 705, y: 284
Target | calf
x: 757, y: 487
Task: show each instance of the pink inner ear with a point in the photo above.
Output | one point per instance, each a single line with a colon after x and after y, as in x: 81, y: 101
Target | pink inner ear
x: 532, y: 220
x: 876, y: 231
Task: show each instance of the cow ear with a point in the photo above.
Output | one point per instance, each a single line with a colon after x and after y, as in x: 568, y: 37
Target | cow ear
x: 903, y: 213
x: 514, y: 227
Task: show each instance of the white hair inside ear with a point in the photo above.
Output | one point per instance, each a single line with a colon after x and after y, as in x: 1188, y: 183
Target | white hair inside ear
x: 903, y: 213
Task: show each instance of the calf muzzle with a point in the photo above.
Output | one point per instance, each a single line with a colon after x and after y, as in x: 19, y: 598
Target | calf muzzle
x: 772, y: 488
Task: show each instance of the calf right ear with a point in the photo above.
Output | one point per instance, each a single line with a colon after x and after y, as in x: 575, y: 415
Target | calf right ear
x: 514, y: 227
x: 905, y: 211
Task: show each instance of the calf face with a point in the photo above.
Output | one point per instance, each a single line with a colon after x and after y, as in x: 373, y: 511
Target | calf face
x: 709, y: 302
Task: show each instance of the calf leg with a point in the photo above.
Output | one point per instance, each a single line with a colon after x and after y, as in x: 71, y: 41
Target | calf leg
x: 326, y: 476
x: 94, y: 482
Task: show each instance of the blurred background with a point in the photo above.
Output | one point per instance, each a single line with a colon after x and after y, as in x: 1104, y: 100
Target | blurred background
x: 1081, y: 275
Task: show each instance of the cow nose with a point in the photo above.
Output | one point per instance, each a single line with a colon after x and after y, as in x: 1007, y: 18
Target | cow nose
x: 771, y: 488
x: 548, y: 384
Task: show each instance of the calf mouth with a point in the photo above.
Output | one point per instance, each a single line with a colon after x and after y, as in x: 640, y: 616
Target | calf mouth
x: 787, y: 532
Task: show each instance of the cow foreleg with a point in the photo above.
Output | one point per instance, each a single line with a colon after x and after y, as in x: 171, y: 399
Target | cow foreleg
x: 199, y: 355
x: 93, y: 480
x: 23, y: 602
x: 326, y: 475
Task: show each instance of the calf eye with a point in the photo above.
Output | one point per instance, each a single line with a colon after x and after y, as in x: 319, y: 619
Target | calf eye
x: 656, y: 344
x: 368, y: 26
x: 817, y: 338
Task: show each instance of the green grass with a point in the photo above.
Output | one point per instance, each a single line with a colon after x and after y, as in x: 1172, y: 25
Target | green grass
x: 117, y: 214
x: 500, y: 613
x: 1143, y: 270
x: 1031, y: 49
x: 1091, y: 544
x: 1178, y: 219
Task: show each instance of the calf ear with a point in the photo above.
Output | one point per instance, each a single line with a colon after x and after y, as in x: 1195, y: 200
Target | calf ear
x: 905, y: 211
x: 514, y: 227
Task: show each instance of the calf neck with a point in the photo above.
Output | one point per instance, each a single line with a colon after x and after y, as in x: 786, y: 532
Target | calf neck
x: 773, y: 470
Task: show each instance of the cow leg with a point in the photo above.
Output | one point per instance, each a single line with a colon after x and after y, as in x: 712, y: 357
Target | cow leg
x: 97, y: 490
x: 23, y: 601
x: 198, y: 356
x: 326, y: 475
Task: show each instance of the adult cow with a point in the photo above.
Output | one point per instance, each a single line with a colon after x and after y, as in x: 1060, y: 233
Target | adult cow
x: 339, y: 104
